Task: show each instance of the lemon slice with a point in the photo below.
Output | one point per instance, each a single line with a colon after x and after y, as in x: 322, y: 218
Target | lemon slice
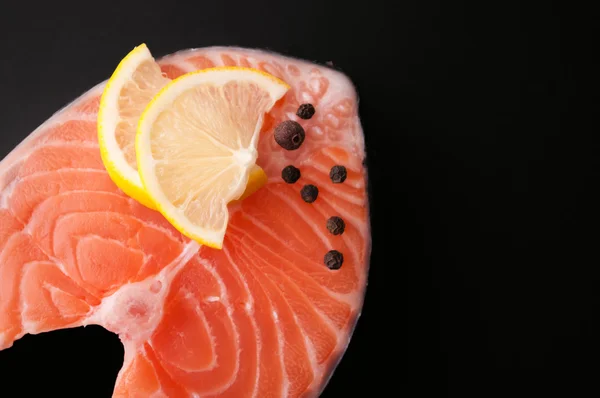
x: 134, y: 82
x: 196, y: 145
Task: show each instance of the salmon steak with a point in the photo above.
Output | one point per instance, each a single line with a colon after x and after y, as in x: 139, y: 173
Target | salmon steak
x: 269, y: 315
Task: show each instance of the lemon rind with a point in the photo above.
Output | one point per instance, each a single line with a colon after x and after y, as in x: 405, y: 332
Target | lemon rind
x: 119, y: 170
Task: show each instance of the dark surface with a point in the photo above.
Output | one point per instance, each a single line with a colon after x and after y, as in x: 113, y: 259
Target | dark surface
x: 481, y: 146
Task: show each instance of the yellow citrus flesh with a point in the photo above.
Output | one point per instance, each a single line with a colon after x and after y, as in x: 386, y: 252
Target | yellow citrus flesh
x: 196, y: 146
x: 134, y: 82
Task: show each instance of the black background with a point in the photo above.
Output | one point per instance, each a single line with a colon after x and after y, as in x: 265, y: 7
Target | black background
x: 480, y: 123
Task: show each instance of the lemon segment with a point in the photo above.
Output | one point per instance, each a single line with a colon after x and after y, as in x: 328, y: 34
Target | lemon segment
x: 196, y: 146
x: 132, y: 85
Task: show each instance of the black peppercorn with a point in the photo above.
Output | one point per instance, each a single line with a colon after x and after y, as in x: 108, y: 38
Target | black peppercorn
x: 338, y: 174
x: 289, y: 135
x: 333, y: 259
x: 305, y: 111
x: 309, y: 193
x: 336, y: 225
x: 290, y: 174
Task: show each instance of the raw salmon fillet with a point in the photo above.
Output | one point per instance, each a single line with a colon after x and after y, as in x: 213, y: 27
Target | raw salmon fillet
x: 264, y: 317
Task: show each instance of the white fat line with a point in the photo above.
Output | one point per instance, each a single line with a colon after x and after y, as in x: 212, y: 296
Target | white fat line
x: 36, y: 210
x: 310, y: 348
x: 294, y: 206
x: 329, y: 153
x: 317, y: 369
x: 59, y: 264
x: 348, y: 197
x: 52, y: 259
x: 27, y: 325
x: 345, y: 143
x: 325, y: 289
x: 84, y: 117
x: 184, y: 65
x: 250, y: 312
x: 6, y: 193
x: 61, y: 171
x: 171, y: 270
x: 191, y: 394
x: 71, y: 214
x: 158, y: 393
x: 4, y: 198
x: 229, y: 308
x: 251, y: 299
x: 360, y: 225
x: 145, y: 223
x: 352, y: 299
x: 53, y: 290
x: 267, y: 230
x: 222, y: 288
x: 328, y: 322
x: 105, y: 239
x: 62, y: 216
x: 348, y: 298
x: 25, y: 152
x: 31, y: 326
x: 190, y: 296
x: 69, y: 116
x: 66, y: 144
x: 280, y: 341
